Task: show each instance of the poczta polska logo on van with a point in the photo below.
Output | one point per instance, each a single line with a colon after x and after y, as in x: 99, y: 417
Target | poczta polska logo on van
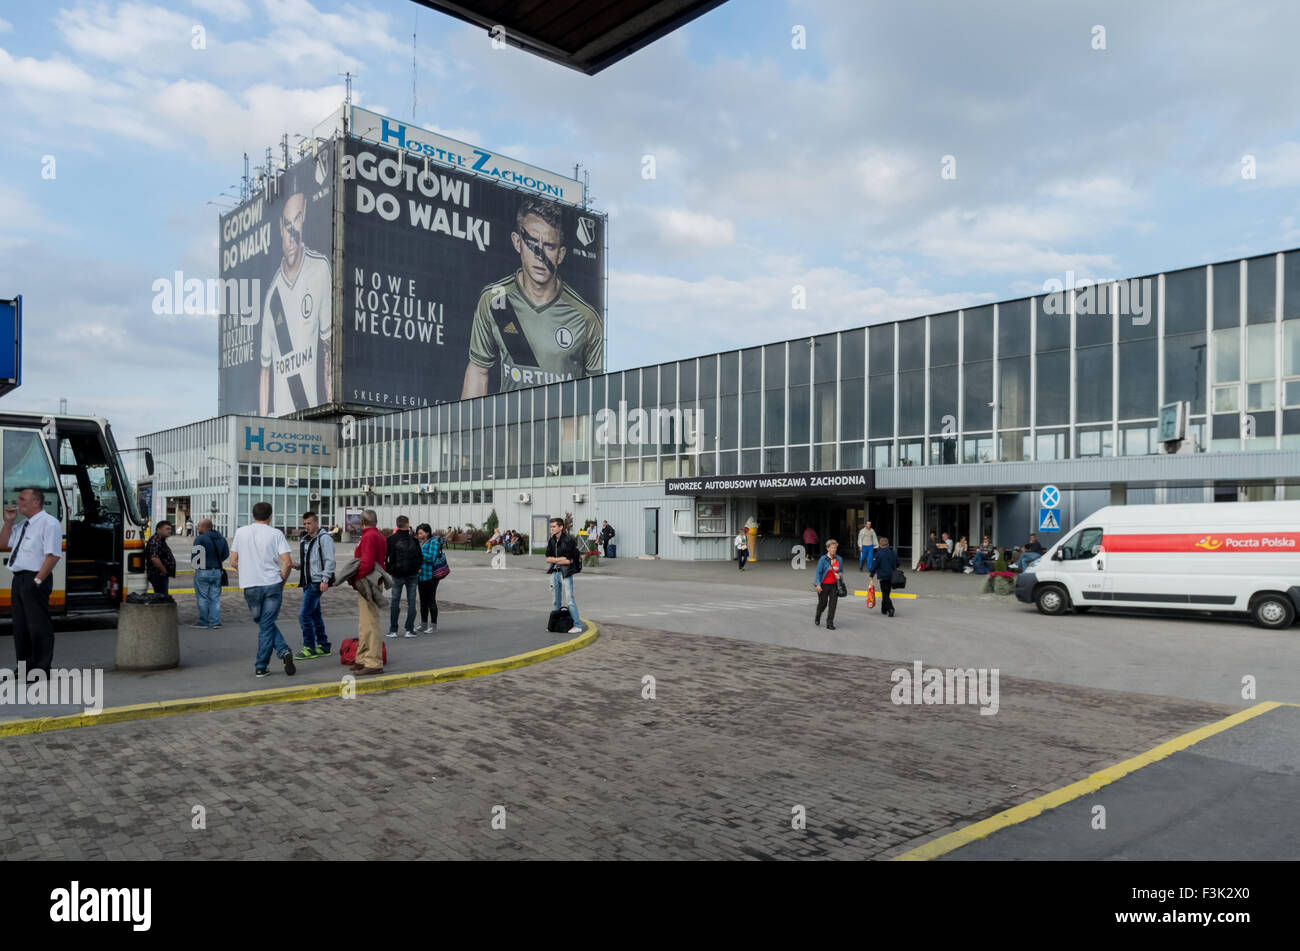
x: 1210, y: 543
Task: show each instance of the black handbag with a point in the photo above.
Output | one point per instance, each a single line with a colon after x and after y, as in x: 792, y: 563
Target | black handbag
x: 898, y: 579
x: 841, y: 589
x: 225, y: 579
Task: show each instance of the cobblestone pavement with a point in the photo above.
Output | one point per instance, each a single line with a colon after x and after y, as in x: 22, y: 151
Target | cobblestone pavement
x: 738, y: 736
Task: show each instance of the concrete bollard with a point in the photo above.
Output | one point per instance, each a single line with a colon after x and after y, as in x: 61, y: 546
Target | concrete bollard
x: 148, y: 637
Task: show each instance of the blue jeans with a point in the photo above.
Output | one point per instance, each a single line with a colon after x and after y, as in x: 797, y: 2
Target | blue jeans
x: 310, y: 620
x: 400, y: 583
x: 264, y: 602
x: 207, y: 591
x: 1028, y: 558
x: 980, y: 564
x: 867, y: 556
x: 556, y: 582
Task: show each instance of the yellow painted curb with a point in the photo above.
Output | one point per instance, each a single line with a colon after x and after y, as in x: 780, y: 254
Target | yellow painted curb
x: 1059, y: 797
x: 253, y: 698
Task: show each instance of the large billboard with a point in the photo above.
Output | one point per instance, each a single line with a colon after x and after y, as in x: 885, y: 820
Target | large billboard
x: 456, y: 285
x: 275, y: 346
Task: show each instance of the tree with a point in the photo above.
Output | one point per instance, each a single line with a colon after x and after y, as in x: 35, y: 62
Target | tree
x: 492, y: 522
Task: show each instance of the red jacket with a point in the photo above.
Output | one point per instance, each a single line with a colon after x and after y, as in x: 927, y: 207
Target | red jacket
x: 372, y: 550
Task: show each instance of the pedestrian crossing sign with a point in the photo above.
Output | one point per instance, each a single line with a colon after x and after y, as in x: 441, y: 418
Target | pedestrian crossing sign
x: 1049, y: 520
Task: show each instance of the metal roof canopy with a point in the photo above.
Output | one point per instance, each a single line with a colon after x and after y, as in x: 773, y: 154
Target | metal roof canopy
x: 586, y: 35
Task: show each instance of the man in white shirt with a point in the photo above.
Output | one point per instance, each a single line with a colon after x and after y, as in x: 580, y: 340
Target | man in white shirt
x: 742, y: 549
x: 867, y: 543
x: 32, y: 559
x: 260, y: 554
x: 296, y: 322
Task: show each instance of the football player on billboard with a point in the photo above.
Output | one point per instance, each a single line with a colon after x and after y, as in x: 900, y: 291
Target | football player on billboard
x: 533, y: 324
x: 296, y: 321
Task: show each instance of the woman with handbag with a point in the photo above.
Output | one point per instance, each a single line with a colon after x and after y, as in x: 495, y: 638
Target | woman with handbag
x: 886, y: 570
x: 433, y: 568
x: 830, y: 584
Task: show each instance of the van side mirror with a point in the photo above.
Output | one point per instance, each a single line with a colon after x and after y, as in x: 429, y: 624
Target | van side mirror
x: 1058, y: 555
x: 148, y: 461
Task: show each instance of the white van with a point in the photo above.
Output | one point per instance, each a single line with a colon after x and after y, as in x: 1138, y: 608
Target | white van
x: 1226, y: 556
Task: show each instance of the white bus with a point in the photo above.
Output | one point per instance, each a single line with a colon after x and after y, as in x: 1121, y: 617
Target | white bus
x: 1228, y: 556
x: 76, y: 463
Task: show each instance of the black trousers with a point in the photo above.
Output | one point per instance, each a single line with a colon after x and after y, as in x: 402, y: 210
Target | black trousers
x: 827, y: 597
x: 33, y: 629
x: 742, y: 555
x: 886, y: 605
x: 428, y: 600
x: 159, y: 583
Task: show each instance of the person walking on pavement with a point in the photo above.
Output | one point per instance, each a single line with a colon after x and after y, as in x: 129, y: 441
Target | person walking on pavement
x: 563, y: 558
x: 160, y: 563
x: 371, y: 551
x: 32, y: 560
x: 316, y: 564
x: 809, y: 541
x: 209, y: 552
x: 402, y: 561
x: 426, y: 581
x: 830, y: 575
x: 886, y: 565
x: 263, y: 570
x: 607, y: 534
x: 742, y: 549
x: 867, y: 541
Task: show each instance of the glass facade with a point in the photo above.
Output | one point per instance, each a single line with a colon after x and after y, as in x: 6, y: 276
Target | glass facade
x: 1029, y: 379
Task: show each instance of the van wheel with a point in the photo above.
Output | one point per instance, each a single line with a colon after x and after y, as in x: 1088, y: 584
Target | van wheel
x: 1051, y: 599
x: 1273, y: 611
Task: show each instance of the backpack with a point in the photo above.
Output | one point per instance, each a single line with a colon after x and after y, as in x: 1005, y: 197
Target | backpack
x: 348, y: 651
x: 407, y: 555
x: 560, y: 621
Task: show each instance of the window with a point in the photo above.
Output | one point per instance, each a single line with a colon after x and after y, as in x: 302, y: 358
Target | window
x: 26, y: 465
x: 1050, y: 445
x: 1291, y: 359
x: 1261, y: 289
x: 1083, y: 544
x: 1137, y: 440
x: 1096, y: 442
x: 1261, y: 391
x: 977, y: 448
x: 1014, y: 446
x: 1013, y: 328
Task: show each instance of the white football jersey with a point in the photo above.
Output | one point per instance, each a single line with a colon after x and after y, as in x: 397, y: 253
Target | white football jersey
x: 291, y: 350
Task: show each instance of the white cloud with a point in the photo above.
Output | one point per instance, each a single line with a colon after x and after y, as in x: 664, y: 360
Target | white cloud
x: 232, y: 10
x: 133, y: 33
x: 681, y: 226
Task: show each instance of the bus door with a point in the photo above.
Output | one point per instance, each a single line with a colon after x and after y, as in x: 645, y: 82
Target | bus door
x: 95, y: 520
x: 25, y: 463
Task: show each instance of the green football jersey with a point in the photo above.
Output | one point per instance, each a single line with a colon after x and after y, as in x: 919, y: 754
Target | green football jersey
x: 562, y: 340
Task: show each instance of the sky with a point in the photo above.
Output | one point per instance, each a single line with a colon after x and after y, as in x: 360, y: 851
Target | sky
x: 889, y: 159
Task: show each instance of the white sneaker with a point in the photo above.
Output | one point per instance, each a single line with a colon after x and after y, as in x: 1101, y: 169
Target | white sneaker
x: 430, y: 628
x: 392, y: 633
x: 969, y: 570
x: 575, y: 630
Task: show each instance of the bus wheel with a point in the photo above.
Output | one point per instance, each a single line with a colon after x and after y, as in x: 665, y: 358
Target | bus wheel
x: 1051, y: 599
x: 1273, y: 611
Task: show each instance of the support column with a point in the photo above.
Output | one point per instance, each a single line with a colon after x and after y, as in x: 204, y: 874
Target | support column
x: 918, y: 526
x: 1118, y: 493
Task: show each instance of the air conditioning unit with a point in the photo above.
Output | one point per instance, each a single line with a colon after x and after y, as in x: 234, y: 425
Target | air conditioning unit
x: 368, y: 489
x: 315, y: 497
x: 426, y: 488
x: 525, y: 498
x: 291, y: 483
x: 579, y: 497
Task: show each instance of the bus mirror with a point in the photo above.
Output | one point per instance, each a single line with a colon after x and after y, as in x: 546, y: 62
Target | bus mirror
x: 148, y: 461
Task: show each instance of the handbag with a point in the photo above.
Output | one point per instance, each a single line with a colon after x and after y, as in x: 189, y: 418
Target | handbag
x: 841, y: 590
x: 441, y: 569
x: 898, y: 579
x: 225, y: 579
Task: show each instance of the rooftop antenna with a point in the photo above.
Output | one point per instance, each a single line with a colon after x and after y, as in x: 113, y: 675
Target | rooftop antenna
x: 284, y: 150
x: 413, y: 67
x: 347, y: 100
x: 245, y: 183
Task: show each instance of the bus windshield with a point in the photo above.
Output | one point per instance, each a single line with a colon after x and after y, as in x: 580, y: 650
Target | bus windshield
x: 122, y: 475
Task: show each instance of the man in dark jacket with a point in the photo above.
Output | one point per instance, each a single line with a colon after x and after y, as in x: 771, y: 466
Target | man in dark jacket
x: 606, y: 536
x: 209, y: 551
x: 564, y: 560
x: 160, y: 563
x: 886, y: 564
x: 403, y: 562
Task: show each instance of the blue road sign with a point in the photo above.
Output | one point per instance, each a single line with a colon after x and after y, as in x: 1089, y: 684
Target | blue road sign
x: 1049, y: 497
x: 1049, y: 520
